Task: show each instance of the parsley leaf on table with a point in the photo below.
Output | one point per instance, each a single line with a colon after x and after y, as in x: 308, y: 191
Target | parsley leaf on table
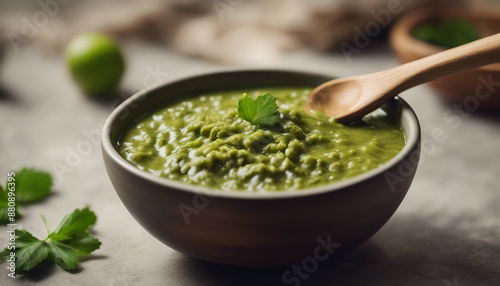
x: 69, y: 241
x: 261, y: 111
x: 29, y: 251
x: 31, y: 185
x: 4, y: 205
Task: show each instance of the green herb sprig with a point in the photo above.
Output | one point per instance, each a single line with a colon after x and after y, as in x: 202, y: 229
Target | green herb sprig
x: 64, y: 245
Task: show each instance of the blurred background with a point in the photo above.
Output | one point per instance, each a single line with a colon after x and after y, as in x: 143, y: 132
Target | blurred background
x: 232, y: 32
x: 446, y: 232
x: 255, y: 33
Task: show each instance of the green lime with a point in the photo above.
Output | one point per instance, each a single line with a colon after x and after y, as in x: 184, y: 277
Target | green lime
x: 96, y: 63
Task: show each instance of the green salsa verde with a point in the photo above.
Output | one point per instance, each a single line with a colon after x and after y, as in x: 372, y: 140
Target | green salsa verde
x: 203, y: 141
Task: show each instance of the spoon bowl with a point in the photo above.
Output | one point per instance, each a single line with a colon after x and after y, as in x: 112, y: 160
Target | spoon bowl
x: 331, y: 98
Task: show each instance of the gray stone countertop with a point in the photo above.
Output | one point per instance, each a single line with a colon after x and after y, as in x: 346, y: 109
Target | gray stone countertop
x: 446, y: 231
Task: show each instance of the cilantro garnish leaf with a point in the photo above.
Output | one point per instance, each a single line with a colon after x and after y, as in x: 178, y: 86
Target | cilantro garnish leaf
x: 64, y: 246
x: 32, y: 185
x: 261, y: 111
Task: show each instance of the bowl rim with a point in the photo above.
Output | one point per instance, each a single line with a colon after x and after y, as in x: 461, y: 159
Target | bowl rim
x: 108, y: 148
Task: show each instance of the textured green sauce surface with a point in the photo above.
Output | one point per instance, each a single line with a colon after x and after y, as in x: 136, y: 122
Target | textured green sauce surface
x: 202, y: 141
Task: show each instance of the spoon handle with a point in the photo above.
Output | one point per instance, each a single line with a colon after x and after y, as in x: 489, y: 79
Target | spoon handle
x: 475, y: 54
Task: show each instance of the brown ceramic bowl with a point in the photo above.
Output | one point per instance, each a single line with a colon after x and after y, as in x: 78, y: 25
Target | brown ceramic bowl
x: 462, y: 87
x: 257, y: 229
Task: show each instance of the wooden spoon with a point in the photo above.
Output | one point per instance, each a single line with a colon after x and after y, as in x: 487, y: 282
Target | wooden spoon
x: 349, y: 99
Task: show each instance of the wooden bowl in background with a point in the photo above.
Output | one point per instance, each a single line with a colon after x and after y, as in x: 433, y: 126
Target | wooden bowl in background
x: 476, y: 88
